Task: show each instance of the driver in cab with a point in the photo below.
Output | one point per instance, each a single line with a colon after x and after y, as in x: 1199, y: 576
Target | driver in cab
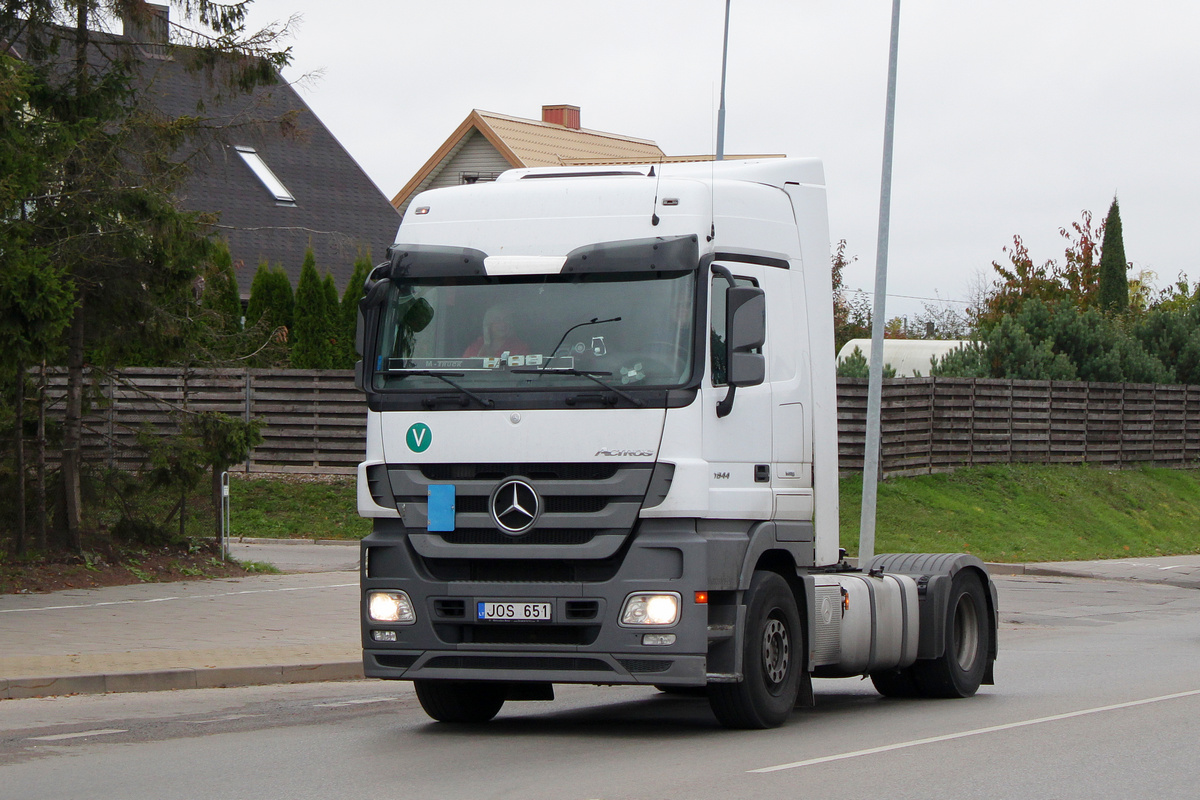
x: 498, y: 337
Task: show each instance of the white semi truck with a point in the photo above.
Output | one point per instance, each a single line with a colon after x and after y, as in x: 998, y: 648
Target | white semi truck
x: 602, y: 448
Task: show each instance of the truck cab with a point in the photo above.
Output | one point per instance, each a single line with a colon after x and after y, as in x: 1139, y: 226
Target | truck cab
x: 602, y: 448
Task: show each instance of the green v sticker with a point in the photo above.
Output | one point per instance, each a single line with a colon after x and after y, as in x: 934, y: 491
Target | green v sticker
x: 419, y: 437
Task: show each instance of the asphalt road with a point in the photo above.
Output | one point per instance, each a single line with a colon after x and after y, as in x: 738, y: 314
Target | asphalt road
x: 1098, y: 696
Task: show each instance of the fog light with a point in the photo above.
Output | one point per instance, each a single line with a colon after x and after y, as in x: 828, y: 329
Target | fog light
x: 390, y: 607
x: 658, y: 639
x: 651, y: 608
x: 383, y: 636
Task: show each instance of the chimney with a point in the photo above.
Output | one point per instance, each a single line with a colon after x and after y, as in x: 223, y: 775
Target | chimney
x: 567, y: 116
x: 149, y: 28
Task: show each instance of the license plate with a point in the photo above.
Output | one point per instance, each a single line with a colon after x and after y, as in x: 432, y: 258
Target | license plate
x: 518, y: 612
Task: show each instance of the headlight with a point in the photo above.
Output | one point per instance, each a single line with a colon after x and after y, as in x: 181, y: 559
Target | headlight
x: 390, y: 607
x: 651, y: 608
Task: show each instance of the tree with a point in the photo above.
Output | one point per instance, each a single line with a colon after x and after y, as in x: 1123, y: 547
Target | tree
x: 856, y: 365
x: 220, y: 296
x: 36, y: 295
x: 1074, y: 281
x: 104, y: 208
x: 1114, y: 280
x: 310, y: 340
x: 348, y: 310
x: 333, y: 330
x: 851, y: 310
x: 271, y: 301
x: 1045, y: 341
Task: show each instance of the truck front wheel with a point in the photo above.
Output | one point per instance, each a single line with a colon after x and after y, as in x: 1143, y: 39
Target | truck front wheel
x: 772, y: 657
x: 461, y: 701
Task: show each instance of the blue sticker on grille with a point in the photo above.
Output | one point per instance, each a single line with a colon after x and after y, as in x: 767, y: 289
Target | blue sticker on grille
x: 440, y: 510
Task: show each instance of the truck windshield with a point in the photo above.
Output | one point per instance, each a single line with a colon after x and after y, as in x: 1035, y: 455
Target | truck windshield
x: 631, y: 330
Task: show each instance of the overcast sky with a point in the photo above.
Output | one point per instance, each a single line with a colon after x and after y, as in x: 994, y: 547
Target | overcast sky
x: 1013, y: 116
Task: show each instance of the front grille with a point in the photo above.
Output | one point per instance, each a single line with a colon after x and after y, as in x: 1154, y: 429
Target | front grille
x: 450, y: 609
x: 571, y: 504
x: 578, y: 501
x: 582, y: 609
x: 478, y: 570
x: 644, y: 665
x: 566, y: 663
x: 511, y: 633
x: 535, y: 536
x: 395, y: 662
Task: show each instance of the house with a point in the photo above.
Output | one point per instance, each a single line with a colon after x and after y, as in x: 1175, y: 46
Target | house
x: 486, y: 144
x: 275, y: 176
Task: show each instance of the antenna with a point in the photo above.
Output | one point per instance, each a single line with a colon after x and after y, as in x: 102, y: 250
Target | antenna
x: 721, y: 108
x: 657, y: 183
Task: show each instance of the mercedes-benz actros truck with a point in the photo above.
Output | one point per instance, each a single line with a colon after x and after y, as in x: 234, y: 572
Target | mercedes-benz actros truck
x: 602, y: 449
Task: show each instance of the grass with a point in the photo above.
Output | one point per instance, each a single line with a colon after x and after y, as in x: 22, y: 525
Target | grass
x: 1027, y: 513
x: 296, y: 508
x: 1017, y: 513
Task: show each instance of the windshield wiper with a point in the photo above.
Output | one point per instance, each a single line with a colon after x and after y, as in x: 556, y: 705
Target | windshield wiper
x: 590, y: 374
x: 446, y: 376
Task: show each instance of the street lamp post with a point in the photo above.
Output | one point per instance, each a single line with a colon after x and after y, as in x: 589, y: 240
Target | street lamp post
x: 866, y: 536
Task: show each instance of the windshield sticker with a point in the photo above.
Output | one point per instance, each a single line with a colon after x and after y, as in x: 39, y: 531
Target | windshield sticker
x: 498, y: 362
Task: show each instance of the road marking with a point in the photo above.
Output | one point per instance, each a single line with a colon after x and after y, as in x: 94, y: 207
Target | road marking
x: 60, y: 736
x: 192, y: 597
x: 361, y: 702
x: 962, y: 735
x: 228, y: 718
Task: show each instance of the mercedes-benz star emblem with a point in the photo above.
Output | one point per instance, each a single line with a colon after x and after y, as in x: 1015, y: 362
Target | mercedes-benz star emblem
x: 515, y: 506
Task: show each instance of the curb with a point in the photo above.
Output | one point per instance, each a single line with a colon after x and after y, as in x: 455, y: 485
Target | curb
x: 264, y: 540
x: 171, y: 679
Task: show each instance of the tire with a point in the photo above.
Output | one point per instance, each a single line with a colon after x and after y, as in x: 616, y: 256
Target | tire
x: 960, y: 669
x: 772, y: 659
x: 461, y: 701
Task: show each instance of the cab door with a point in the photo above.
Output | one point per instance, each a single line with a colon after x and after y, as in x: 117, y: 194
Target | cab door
x: 737, y: 446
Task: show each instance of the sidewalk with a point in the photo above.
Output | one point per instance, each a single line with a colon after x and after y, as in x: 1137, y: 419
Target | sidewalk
x: 268, y: 629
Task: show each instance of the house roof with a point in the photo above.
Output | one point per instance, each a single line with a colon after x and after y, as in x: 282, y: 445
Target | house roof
x: 533, y: 143
x: 337, y: 209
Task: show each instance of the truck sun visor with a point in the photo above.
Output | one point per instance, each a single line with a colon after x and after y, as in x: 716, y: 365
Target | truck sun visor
x: 427, y: 260
x: 661, y: 253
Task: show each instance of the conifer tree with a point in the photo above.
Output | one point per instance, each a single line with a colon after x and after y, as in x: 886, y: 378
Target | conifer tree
x: 280, y: 298
x: 348, y: 311
x: 259, y: 289
x: 310, y: 339
x: 1114, y: 281
x: 220, y: 296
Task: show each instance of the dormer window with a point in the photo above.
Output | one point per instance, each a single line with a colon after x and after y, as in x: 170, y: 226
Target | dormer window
x: 268, y: 178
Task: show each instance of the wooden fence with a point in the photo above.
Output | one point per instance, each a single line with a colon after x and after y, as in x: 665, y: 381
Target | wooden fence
x: 937, y: 424
x: 315, y: 421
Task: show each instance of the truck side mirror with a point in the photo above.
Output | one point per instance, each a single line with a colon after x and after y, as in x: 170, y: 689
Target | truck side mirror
x: 746, y: 323
x: 745, y: 331
x: 366, y: 328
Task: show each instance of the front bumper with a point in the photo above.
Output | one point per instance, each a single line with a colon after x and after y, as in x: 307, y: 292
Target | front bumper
x: 582, y: 643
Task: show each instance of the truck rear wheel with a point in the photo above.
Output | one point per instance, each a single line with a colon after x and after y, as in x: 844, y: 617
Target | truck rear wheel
x: 960, y: 669
x: 772, y: 658
x: 461, y: 701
